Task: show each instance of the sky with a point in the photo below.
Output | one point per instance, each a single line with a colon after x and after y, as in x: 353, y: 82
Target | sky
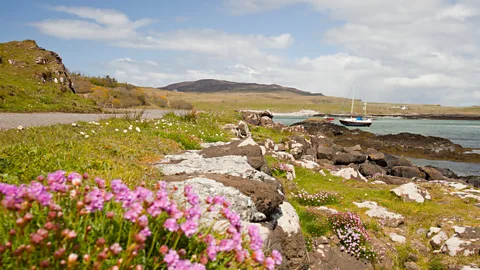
x: 408, y: 51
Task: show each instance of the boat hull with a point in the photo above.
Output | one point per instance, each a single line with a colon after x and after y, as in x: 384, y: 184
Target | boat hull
x: 355, y: 123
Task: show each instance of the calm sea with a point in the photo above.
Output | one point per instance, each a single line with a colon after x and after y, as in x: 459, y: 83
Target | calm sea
x: 463, y: 132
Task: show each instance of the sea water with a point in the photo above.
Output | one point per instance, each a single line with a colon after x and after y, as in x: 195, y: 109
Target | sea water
x: 463, y: 132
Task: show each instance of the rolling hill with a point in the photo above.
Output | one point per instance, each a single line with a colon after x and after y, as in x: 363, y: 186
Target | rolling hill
x: 213, y: 86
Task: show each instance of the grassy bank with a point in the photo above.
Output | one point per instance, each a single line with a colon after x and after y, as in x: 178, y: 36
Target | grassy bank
x: 114, y: 148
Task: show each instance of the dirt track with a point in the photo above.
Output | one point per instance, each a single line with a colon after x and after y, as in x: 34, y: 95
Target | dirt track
x: 13, y: 120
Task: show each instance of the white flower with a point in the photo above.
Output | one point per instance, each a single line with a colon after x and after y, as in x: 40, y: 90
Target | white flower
x: 82, y: 133
x: 116, y: 129
x: 86, y: 136
x: 125, y: 131
x: 93, y: 131
x: 130, y: 127
x: 74, y: 124
x: 137, y: 129
x: 20, y: 128
x: 107, y: 123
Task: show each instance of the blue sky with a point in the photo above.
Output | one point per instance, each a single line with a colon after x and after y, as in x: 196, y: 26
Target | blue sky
x: 404, y: 52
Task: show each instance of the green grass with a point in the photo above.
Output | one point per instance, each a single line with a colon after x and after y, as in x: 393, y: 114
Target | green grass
x: 105, y: 153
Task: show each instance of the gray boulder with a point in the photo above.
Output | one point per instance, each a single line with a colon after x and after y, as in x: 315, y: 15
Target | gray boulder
x: 324, y: 152
x: 377, y: 157
x: 407, y: 172
x: 370, y: 169
x: 341, y: 158
x: 432, y: 173
x: 411, y: 193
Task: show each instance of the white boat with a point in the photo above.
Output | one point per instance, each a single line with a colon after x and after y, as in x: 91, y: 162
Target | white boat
x: 356, y: 121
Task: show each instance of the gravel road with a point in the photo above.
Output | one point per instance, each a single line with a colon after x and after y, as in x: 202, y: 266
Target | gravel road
x: 13, y: 120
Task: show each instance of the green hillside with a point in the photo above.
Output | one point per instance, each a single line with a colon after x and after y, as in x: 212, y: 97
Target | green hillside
x: 34, y: 79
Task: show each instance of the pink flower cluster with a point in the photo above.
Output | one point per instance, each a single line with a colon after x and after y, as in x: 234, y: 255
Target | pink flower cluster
x: 352, y: 234
x: 152, y: 220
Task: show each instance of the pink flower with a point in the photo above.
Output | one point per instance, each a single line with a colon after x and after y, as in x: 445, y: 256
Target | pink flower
x: 189, y: 227
x: 212, y: 252
x: 269, y: 263
x: 171, y: 258
x: 277, y: 257
x: 171, y: 225
x: 116, y: 248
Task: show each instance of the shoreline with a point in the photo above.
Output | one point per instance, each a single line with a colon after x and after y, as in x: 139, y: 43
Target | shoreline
x: 416, y: 116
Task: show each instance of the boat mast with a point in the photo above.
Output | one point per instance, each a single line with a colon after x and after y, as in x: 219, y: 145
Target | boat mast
x: 353, y: 98
x: 365, y: 107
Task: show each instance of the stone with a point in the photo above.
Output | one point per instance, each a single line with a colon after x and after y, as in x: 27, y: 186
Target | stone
x: 349, y: 173
x: 387, y: 218
x: 353, y: 148
x: 266, y: 113
x: 432, y: 173
x: 307, y: 164
x: 283, y: 156
x: 433, y: 230
x: 327, y: 210
x: 204, y: 187
x: 243, y: 130
x: 192, y: 162
x: 407, y: 172
x: 324, y: 152
x: 341, y: 158
x: 291, y: 173
x: 392, y: 180
x: 40, y: 61
x: 280, y: 147
x: 266, y: 121
x: 370, y: 169
x: 287, y: 238
x: 269, y: 144
x: 397, y: 238
x: 328, y: 257
x: 411, y: 266
x: 437, y: 241
x: 411, y: 193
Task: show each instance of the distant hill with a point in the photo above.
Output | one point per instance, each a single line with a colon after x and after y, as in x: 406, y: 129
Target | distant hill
x: 212, y: 86
x: 34, y: 79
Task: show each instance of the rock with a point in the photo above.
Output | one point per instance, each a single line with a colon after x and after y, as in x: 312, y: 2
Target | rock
x: 356, y: 148
x: 456, y: 246
x: 392, y: 180
x: 329, y: 257
x: 269, y: 144
x: 326, y: 210
x: 377, y: 157
x: 307, y: 164
x: 411, y: 266
x: 393, y: 161
x: 207, y: 145
x: 288, y: 239
x: 369, y: 169
x: 437, y: 241
x: 341, y: 158
x: 324, y: 152
x: 11, y: 62
x: 433, y: 230
x: 283, y: 156
x: 40, y: 61
x: 407, y: 172
x: 204, y: 187
x: 349, y: 173
x: 266, y: 113
x: 387, y: 218
x: 243, y: 129
x: 266, y: 121
x: 192, y: 162
x: 421, y: 231
x: 473, y: 180
x: 411, y: 192
x: 296, y: 149
x: 280, y: 147
x: 247, y: 148
x: 251, y: 118
x: 432, y: 173
x: 397, y: 238
x: 291, y: 173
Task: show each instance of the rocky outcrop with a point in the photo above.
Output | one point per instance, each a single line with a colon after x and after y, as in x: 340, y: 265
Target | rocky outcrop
x: 369, y: 169
x: 341, y: 158
x: 412, y: 193
x: 432, y: 173
x: 465, y: 242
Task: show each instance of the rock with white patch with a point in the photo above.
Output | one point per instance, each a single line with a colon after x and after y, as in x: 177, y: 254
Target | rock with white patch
x: 283, y: 156
x: 350, y: 173
x: 437, y: 241
x: 411, y: 193
x: 388, y: 218
x: 307, y: 164
x: 397, y: 238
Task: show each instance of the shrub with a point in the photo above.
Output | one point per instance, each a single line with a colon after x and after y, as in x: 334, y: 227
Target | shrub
x: 352, y: 234
x: 180, y: 105
x: 317, y: 199
x: 60, y: 221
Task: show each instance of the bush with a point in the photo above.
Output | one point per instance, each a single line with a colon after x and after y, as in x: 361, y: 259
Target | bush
x: 66, y: 221
x: 180, y: 105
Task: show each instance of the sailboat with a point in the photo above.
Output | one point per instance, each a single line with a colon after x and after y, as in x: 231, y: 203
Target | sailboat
x: 356, y: 121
